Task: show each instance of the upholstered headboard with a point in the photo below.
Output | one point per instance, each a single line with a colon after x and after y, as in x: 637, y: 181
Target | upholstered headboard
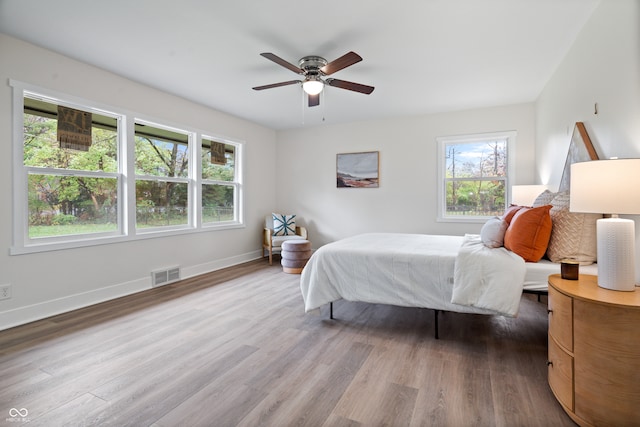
x: 580, y: 150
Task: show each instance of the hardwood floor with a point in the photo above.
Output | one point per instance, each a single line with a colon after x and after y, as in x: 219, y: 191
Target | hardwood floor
x: 234, y: 348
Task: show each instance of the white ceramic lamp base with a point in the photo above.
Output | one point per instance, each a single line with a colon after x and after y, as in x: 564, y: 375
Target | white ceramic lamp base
x: 616, y: 254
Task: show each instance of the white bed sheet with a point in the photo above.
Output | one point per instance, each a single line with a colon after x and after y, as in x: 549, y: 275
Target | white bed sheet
x: 537, y: 273
x: 420, y: 274
x: 409, y: 270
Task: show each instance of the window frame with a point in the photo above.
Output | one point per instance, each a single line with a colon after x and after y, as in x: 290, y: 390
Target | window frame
x: 191, y: 176
x: 442, y: 142
x: 126, y: 210
x: 236, y: 184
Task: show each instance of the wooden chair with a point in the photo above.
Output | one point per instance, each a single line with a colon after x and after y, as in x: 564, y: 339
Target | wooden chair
x: 271, y: 243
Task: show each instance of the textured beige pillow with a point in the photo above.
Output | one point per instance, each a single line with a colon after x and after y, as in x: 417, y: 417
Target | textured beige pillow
x: 573, y: 235
x: 544, y: 198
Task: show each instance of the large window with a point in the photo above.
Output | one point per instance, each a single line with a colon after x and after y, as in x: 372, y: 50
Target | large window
x: 71, y: 163
x: 72, y: 177
x: 474, y: 172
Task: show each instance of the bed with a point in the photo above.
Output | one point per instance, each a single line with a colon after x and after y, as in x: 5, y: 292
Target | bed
x: 483, y: 274
x: 416, y: 270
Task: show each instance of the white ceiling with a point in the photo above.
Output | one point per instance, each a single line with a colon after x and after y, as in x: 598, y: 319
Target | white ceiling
x: 422, y: 56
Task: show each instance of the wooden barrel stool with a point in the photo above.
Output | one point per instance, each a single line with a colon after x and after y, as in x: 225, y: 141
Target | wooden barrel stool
x: 294, y: 255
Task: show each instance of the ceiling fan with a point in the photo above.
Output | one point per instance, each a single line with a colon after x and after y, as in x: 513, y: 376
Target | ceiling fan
x: 314, y: 68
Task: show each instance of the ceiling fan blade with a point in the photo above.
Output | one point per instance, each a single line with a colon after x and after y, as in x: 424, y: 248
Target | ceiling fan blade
x: 282, y: 62
x: 356, y: 87
x: 314, y: 100
x: 290, y: 82
x: 343, y: 62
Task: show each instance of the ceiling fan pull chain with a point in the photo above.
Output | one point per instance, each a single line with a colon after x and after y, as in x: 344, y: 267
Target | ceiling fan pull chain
x: 324, y: 104
x: 303, y: 94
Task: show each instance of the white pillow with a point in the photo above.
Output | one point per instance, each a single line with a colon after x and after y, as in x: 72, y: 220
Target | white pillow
x: 284, y: 225
x: 492, y: 232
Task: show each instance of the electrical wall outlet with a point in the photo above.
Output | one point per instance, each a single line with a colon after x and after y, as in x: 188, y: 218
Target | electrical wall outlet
x: 5, y: 292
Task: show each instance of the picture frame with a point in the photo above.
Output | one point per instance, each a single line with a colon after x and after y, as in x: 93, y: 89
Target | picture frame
x: 358, y: 170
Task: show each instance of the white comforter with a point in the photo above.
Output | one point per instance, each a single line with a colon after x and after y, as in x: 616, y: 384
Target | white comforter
x: 411, y: 270
x: 488, y: 278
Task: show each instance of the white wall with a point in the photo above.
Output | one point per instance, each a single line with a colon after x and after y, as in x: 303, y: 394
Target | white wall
x: 603, y: 67
x: 51, y: 282
x: 406, y: 200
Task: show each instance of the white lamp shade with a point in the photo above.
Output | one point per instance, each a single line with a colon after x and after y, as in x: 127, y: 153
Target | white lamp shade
x: 525, y: 195
x: 605, y: 186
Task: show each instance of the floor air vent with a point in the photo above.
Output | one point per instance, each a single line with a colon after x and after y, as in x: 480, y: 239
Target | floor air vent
x: 164, y: 277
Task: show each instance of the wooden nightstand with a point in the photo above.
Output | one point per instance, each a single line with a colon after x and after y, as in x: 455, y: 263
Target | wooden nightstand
x: 594, y: 351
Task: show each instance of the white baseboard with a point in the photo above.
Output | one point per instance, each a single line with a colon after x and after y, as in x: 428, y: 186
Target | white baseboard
x: 31, y: 313
x: 21, y: 315
x: 208, y: 267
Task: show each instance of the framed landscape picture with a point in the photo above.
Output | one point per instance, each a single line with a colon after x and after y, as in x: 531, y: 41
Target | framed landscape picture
x: 357, y: 170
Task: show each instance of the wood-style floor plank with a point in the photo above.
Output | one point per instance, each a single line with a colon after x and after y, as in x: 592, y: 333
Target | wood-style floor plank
x: 235, y: 348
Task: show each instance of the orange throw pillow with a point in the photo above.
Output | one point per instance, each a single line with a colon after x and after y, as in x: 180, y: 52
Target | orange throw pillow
x: 510, y: 212
x: 529, y: 232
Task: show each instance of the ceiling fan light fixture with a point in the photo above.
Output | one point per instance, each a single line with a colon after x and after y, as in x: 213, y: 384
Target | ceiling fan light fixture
x: 313, y: 86
x: 314, y: 68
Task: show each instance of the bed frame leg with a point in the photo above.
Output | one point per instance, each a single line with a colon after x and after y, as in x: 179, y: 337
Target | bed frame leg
x: 436, y: 312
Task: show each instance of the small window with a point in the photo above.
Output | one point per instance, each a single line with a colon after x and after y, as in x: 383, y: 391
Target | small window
x: 220, y: 184
x: 474, y: 173
x: 162, y: 176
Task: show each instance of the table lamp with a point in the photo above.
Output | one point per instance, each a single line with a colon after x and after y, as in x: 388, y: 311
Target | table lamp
x: 525, y: 195
x: 608, y: 187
